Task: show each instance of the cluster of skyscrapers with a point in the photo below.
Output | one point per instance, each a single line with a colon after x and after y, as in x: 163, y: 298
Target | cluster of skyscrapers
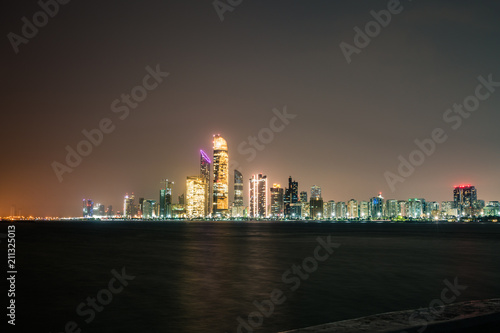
x: 207, y: 196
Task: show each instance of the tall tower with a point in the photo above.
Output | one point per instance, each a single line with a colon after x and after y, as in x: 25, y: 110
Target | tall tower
x: 465, y: 197
x: 258, y: 196
x: 238, y: 189
x: 166, y: 198
x: 277, y: 201
x: 205, y: 170
x: 291, y: 196
x: 195, y: 196
x: 220, y: 188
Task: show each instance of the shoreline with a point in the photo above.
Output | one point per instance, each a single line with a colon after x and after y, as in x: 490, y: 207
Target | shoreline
x: 463, y: 317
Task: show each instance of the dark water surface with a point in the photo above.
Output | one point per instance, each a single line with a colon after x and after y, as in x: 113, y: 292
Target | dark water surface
x: 200, y: 277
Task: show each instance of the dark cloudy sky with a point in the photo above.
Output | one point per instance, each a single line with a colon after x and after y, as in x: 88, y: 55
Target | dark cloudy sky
x: 353, y: 120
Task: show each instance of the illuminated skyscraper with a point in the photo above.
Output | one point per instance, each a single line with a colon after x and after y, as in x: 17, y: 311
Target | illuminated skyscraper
x: 392, y: 208
x: 88, y: 208
x: 377, y: 207
x: 238, y: 189
x: 195, y: 196
x: 220, y: 198
x: 416, y: 208
x: 277, y: 203
x: 316, y: 208
x: 258, y: 196
x: 364, y: 209
x: 465, y: 197
x: 291, y: 196
x: 330, y: 209
x: 205, y: 165
x: 340, y: 210
x: 352, y: 209
x: 237, y: 209
x: 129, y: 206
x: 303, y: 196
x: 165, y: 198
x: 315, y: 192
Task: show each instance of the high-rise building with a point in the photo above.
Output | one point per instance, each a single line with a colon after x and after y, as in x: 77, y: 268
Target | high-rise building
x: 238, y: 189
x: 258, y: 196
x: 315, y: 192
x: 364, y: 209
x: 205, y: 170
x: 352, y: 209
x: 220, y: 188
x: 195, y: 196
x: 465, y: 197
x: 277, y: 203
x: 129, y: 209
x: 403, y: 208
x: 392, y: 208
x: 377, y: 207
x: 340, y: 210
x: 165, y: 198
x: 303, y: 197
x: 88, y: 208
x: 291, y: 196
x: 416, y: 207
x: 109, y: 211
x: 330, y: 209
x: 149, y: 209
x: 316, y: 207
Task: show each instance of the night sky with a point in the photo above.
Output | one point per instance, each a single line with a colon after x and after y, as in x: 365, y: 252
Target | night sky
x: 352, y: 120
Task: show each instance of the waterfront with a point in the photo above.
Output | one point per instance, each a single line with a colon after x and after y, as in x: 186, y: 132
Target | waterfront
x: 200, y: 277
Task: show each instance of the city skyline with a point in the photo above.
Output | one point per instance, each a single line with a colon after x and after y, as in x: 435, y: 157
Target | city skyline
x: 272, y: 77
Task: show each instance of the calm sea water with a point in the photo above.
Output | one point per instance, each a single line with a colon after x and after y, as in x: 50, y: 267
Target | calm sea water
x: 200, y: 277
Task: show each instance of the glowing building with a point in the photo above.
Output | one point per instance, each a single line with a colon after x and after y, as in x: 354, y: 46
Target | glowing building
x: 352, y: 209
x: 220, y: 188
x: 165, y: 199
x: 258, y: 196
x: 88, y: 208
x: 465, y: 197
x: 129, y: 209
x: 205, y: 165
x: 238, y: 210
x: 195, y: 196
x: 277, y: 203
x: 291, y: 196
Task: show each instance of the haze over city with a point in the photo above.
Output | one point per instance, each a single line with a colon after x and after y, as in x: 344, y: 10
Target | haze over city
x: 353, y: 119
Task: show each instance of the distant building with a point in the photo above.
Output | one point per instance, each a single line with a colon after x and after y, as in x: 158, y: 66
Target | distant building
x: 303, y: 196
x: 316, y: 208
x: 465, y: 197
x: 392, y: 208
x: 416, y: 208
x: 195, y: 196
x: 149, y: 209
x: 352, y: 209
x: 165, y: 198
x: 258, y: 196
x: 88, y: 208
x: 315, y: 192
x: 376, y: 207
x: 238, y: 189
x: 364, y: 209
x: 296, y: 211
x: 277, y: 201
x: 205, y: 168
x: 330, y: 209
x: 129, y: 209
x: 340, y: 210
x: 291, y: 196
x: 220, y: 188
